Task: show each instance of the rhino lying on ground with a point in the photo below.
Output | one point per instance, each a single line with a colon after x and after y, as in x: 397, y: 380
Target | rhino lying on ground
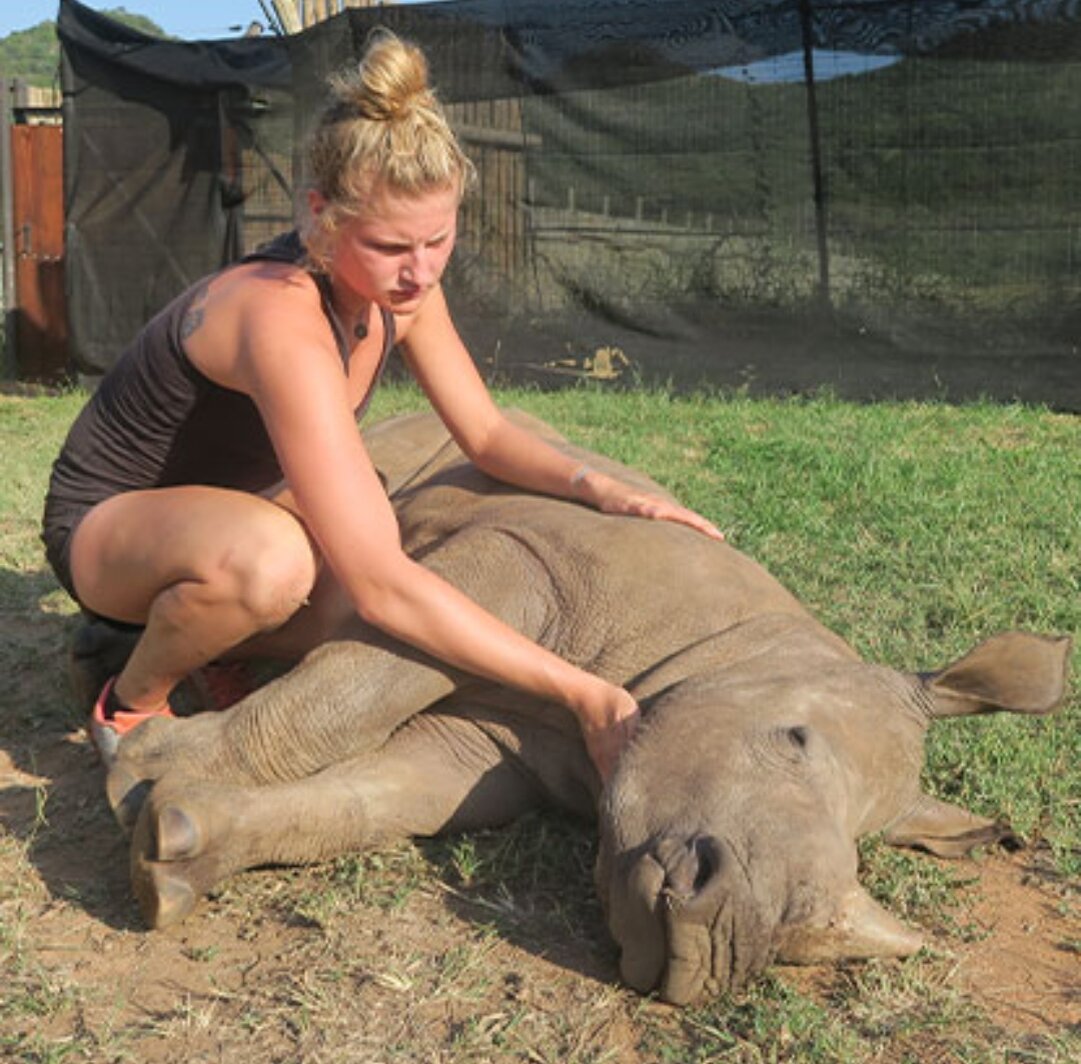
x: 727, y: 835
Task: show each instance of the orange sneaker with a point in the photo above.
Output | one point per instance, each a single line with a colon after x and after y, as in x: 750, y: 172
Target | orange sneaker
x: 107, y: 731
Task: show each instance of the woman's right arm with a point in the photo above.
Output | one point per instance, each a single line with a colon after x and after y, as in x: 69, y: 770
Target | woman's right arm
x: 291, y: 369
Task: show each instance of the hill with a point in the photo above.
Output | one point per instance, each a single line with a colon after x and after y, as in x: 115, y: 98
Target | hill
x: 34, y: 54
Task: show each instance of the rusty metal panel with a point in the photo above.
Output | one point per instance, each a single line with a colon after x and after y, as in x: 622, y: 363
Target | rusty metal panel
x: 41, y: 326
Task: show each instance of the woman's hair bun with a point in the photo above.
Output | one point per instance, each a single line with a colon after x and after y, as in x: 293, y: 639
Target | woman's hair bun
x: 383, y: 127
x: 389, y: 82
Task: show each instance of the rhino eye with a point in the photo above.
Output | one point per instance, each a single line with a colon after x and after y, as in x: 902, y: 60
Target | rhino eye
x: 794, y: 745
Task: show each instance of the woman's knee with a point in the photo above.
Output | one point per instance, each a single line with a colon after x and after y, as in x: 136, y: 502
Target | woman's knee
x: 271, y: 570
x: 184, y: 552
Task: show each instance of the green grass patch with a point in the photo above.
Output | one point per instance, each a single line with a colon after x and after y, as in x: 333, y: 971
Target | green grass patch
x: 912, y: 529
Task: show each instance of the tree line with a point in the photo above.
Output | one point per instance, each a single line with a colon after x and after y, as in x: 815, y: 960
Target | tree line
x: 34, y: 54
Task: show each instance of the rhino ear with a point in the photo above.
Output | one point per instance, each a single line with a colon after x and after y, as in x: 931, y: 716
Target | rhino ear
x: 1015, y: 671
x: 858, y: 929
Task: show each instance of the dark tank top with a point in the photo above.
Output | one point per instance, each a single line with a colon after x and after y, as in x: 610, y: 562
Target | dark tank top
x: 155, y: 420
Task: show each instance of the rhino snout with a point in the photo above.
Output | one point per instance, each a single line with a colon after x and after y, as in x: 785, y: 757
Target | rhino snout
x: 688, y: 923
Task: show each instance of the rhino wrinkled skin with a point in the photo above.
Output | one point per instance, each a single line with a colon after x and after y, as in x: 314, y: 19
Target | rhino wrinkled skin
x: 728, y: 833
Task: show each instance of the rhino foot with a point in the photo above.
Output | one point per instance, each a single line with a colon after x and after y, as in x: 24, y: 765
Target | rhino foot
x: 126, y: 791
x: 161, y: 746
x: 180, y: 848
x: 165, y: 898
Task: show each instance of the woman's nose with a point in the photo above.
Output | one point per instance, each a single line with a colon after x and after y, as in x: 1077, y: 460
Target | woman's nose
x: 424, y: 266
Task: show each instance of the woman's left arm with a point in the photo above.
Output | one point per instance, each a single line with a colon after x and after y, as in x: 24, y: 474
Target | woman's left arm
x: 442, y: 366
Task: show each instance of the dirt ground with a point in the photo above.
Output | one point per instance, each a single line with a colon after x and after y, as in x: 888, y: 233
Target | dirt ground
x: 765, y: 352
x: 408, y: 960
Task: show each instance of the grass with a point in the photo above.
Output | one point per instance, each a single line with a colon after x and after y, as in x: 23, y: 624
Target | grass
x: 913, y: 529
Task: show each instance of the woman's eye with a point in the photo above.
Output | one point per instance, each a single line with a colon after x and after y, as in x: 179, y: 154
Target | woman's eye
x: 382, y: 248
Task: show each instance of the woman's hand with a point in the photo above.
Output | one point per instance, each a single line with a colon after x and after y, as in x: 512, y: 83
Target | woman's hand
x: 610, y: 496
x: 608, y: 722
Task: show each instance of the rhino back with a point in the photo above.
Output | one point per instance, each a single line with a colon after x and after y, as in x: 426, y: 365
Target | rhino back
x: 620, y: 594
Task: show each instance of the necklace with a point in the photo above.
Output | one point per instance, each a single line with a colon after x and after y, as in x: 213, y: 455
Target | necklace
x: 360, y: 328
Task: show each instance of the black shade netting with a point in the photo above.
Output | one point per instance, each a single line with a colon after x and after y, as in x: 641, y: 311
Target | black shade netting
x: 883, y: 197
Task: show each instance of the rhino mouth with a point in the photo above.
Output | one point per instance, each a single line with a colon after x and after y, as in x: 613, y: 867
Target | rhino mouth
x: 687, y: 920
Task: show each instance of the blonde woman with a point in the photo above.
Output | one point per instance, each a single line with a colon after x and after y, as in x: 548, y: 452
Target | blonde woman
x: 215, y: 489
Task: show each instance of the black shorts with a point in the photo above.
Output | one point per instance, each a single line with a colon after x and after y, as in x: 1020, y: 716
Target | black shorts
x: 62, y: 519
x: 57, y: 530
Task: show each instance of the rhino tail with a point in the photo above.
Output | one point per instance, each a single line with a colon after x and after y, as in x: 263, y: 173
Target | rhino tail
x: 857, y: 929
x: 1015, y: 672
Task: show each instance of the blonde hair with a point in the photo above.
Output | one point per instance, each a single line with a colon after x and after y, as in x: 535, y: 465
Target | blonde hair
x: 382, y: 129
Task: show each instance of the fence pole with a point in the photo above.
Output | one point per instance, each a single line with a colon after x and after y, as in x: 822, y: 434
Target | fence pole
x: 8, y: 359
x: 817, y: 178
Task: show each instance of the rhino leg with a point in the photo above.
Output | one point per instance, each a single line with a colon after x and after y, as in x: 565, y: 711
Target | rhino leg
x: 344, y: 699
x: 947, y: 830
x: 437, y: 774
x: 150, y: 751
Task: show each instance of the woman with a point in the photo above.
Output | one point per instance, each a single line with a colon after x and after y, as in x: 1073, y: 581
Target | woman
x: 215, y: 489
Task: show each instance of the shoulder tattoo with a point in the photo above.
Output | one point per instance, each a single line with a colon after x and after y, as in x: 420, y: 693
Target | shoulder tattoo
x: 190, y: 322
x: 193, y: 316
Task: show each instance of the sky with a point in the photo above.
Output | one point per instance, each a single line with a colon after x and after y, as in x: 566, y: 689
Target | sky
x: 789, y: 67
x: 193, y: 20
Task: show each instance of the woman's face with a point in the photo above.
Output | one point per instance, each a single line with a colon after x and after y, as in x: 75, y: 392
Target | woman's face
x: 394, y: 254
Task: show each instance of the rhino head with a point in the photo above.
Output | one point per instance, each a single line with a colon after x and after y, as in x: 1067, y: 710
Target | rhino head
x: 728, y: 835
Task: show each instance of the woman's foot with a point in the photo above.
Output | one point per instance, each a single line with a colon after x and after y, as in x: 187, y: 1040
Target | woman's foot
x: 110, y: 721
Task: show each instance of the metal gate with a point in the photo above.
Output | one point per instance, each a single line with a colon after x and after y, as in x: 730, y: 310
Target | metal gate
x: 39, y: 316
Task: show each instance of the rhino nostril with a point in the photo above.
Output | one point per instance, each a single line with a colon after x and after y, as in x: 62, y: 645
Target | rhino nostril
x: 709, y: 861
x: 690, y: 865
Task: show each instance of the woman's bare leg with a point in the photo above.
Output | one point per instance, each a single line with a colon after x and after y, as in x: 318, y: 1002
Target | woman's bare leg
x: 204, y: 569
x: 321, y: 617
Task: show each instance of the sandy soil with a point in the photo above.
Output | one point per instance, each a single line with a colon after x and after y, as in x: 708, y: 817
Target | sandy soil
x: 260, y: 973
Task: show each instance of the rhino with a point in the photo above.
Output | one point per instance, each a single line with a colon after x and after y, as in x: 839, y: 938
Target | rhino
x: 727, y: 834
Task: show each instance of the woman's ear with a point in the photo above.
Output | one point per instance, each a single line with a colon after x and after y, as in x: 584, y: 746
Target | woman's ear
x: 317, y: 202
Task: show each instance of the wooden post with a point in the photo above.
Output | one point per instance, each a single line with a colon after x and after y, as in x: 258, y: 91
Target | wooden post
x: 817, y: 177
x: 8, y: 362
x: 287, y: 15
x: 37, y: 196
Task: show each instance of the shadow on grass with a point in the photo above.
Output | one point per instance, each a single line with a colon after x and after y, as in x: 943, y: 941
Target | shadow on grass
x: 52, y: 800
x: 60, y: 818
x: 532, y: 881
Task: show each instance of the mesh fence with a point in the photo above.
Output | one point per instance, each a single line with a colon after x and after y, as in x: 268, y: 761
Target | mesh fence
x: 881, y: 197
